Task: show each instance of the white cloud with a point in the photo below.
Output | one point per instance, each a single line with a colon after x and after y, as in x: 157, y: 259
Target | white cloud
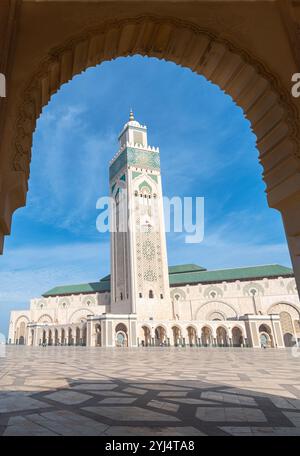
x: 29, y: 271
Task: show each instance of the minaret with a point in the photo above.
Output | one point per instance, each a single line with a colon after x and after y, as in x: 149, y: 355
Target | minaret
x: 139, y: 267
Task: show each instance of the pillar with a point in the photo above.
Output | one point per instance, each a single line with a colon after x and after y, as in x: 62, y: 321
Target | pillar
x: 285, y: 197
x: 291, y: 221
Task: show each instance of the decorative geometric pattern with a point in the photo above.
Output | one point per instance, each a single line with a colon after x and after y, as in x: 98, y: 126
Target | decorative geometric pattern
x: 153, y: 177
x: 178, y: 295
x: 135, y: 157
x: 135, y: 174
x: 148, y: 249
x: 247, y: 290
x: 149, y: 391
x: 213, y: 292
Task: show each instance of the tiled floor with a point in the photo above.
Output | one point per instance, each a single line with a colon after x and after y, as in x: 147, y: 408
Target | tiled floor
x: 149, y: 391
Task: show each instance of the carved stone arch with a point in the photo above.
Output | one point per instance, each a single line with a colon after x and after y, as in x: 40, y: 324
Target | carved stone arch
x: 279, y: 307
x: 216, y: 315
x: 81, y: 313
x: 265, y: 101
x: 89, y: 301
x: 175, y: 292
x: 225, y: 327
x: 146, y: 325
x: 145, y: 186
x: 41, y: 304
x: 178, y: 325
x: 192, y: 325
x: 207, y: 325
x: 209, y: 307
x: 21, y: 317
x: 213, y: 292
x: 240, y: 327
x: 162, y: 325
x: 45, y: 318
x: 64, y: 302
x: 247, y: 289
x: 143, y: 180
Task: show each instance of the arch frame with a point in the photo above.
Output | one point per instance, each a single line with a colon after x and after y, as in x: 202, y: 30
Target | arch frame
x: 215, y: 301
x: 163, y: 37
x: 45, y: 315
x: 89, y: 312
x: 295, y: 307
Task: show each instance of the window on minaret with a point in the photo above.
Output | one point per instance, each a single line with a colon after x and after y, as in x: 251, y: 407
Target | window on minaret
x: 151, y: 295
x: 140, y: 295
x: 121, y: 296
x: 161, y: 296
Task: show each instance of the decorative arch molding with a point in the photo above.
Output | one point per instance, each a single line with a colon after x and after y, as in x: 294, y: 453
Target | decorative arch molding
x: 41, y: 304
x: 89, y: 301
x: 225, y: 327
x: 144, y: 181
x: 21, y: 317
x: 240, y: 328
x: 253, y: 286
x: 145, y: 325
x: 210, y: 307
x: 79, y: 313
x: 213, y: 292
x: 195, y: 327
x: 216, y: 316
x: 64, y: 302
x: 285, y: 307
x: 179, y: 292
x: 45, y: 316
x: 207, y: 325
x: 176, y: 325
x: 260, y: 93
x: 157, y: 325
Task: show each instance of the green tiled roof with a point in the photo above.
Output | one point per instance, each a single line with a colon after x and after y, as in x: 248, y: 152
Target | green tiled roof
x: 185, y: 268
x: 94, y: 287
x: 184, y: 274
x: 220, y: 275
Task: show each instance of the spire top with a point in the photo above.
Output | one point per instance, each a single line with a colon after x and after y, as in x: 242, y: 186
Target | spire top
x: 131, y: 116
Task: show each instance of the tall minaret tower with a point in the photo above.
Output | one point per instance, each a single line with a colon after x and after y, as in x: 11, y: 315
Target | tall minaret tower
x: 139, y: 267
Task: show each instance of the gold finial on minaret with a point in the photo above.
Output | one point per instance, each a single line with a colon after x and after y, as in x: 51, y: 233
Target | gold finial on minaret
x: 131, y: 116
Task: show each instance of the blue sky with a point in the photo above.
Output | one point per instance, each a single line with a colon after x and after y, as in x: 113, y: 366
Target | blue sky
x: 207, y: 149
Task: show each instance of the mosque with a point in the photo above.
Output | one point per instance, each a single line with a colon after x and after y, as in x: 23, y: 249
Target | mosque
x: 146, y: 303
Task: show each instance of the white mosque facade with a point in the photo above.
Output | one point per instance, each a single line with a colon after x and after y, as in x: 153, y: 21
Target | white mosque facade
x: 143, y: 302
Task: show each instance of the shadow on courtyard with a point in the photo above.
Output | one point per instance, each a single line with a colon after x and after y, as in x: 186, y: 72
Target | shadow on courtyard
x: 72, y: 404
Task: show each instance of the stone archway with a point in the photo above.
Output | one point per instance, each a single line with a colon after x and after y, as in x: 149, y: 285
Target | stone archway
x: 237, y: 337
x: 121, y: 336
x: 177, y: 335
x: 192, y: 335
x: 222, y: 337
x: 21, y: 330
x: 262, y: 95
x: 160, y: 336
x: 265, y: 336
x: 206, y: 336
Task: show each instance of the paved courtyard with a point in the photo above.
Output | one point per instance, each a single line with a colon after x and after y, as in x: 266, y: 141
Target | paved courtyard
x: 149, y: 391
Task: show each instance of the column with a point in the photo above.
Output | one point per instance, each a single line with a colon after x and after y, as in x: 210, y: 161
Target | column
x: 291, y: 221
